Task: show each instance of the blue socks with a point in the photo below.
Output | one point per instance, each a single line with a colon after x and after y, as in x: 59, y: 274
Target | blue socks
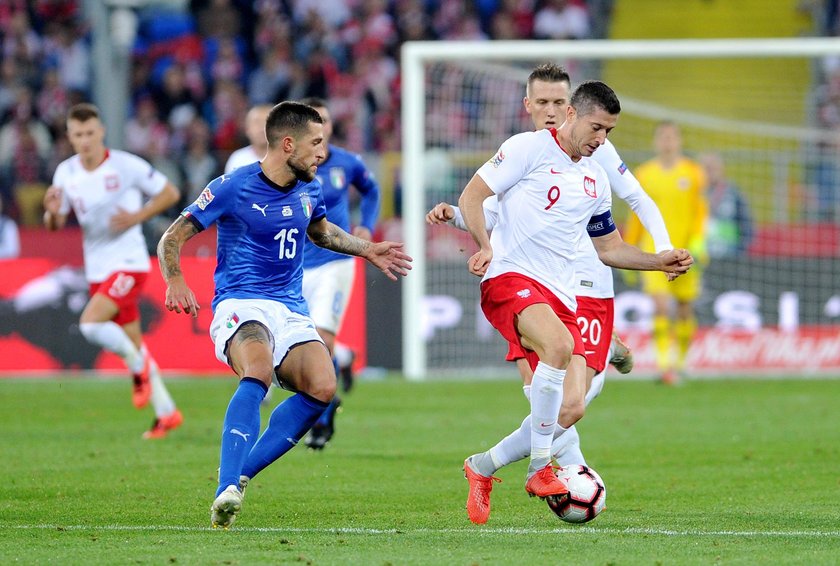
x: 327, y: 415
x: 288, y: 423
x: 240, y: 430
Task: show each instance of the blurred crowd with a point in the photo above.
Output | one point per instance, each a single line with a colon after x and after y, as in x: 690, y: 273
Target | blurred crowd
x: 197, y: 70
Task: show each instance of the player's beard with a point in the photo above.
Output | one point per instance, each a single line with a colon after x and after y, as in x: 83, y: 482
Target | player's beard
x: 300, y: 171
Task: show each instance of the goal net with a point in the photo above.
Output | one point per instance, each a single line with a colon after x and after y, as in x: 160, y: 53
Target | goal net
x: 770, y: 306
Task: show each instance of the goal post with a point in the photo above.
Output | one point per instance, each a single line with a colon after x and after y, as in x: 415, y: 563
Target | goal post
x: 751, y: 100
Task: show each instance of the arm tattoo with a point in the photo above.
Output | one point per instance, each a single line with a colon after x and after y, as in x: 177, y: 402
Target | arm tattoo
x: 169, y: 247
x: 338, y: 240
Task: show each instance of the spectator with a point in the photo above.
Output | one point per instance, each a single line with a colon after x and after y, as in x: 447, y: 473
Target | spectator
x: 9, y: 83
x: 561, y: 19
x: 217, y: 18
x: 229, y: 107
x: 24, y: 46
x: 144, y: 130
x: 413, y: 23
x: 199, y: 165
x: 25, y: 145
x: 228, y: 65
x: 173, y: 97
x: 730, y: 228
x: 314, y: 34
x: 503, y: 26
x: 52, y: 101
x: 66, y: 50
x: 522, y: 13
x: 333, y: 12
x: 273, y: 74
x: 9, y: 236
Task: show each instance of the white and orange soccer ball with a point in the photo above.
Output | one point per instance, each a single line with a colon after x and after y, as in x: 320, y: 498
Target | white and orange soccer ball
x: 587, y: 495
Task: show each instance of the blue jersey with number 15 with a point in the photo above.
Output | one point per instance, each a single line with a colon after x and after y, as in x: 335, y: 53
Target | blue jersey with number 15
x: 261, y: 233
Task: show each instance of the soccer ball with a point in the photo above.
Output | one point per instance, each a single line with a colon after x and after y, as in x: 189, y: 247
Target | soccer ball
x: 586, y: 498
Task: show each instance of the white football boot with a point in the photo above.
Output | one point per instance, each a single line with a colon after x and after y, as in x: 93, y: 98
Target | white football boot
x: 225, y: 507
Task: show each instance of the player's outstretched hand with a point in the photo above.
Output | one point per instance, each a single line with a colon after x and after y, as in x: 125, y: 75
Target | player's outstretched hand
x: 179, y: 297
x: 390, y: 259
x: 122, y: 221
x: 675, y: 262
x: 440, y: 214
x: 479, y: 262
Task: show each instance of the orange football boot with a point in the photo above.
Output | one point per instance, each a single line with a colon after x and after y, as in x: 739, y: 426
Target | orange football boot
x: 478, y: 500
x: 545, y: 482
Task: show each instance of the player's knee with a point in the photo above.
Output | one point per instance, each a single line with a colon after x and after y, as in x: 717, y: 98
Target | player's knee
x: 257, y: 369
x: 558, y: 354
x: 322, y: 388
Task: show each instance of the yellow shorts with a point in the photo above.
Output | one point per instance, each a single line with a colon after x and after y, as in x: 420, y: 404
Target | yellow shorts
x: 685, y: 288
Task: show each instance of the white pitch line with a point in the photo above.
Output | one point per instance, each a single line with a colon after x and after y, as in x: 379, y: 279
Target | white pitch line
x: 410, y: 531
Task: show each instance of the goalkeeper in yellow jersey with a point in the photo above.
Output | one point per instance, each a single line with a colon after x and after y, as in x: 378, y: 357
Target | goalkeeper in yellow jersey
x: 677, y: 185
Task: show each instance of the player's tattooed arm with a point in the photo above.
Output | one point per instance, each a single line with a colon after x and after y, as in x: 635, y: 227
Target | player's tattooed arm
x: 169, y: 247
x: 179, y: 297
x: 388, y: 257
x: 327, y: 235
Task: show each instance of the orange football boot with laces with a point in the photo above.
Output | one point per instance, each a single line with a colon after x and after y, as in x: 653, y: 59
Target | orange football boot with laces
x: 478, y: 500
x: 163, y: 425
x: 545, y: 482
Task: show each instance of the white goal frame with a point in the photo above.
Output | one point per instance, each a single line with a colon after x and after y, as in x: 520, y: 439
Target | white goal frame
x: 414, y: 55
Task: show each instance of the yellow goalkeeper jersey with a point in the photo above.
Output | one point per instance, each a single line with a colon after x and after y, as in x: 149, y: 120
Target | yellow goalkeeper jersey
x: 680, y: 194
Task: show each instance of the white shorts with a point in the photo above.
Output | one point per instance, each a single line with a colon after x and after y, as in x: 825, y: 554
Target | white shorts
x: 287, y: 328
x: 326, y: 289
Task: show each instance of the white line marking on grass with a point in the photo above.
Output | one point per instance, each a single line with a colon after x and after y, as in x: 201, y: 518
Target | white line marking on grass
x: 467, y: 530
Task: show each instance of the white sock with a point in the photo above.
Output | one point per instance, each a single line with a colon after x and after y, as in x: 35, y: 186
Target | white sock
x: 526, y: 389
x: 595, y: 387
x: 611, y: 351
x: 566, y: 448
x: 161, y: 399
x: 343, y: 355
x: 512, y: 448
x: 112, y: 337
x: 546, y: 400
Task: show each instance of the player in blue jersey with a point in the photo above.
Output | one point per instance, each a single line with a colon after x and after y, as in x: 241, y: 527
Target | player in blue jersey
x: 328, y: 276
x: 261, y: 326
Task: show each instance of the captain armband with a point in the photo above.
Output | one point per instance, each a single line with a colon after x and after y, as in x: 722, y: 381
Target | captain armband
x: 601, y: 225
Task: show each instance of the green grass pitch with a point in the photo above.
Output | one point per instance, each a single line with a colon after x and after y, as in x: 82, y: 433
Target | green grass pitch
x: 712, y: 472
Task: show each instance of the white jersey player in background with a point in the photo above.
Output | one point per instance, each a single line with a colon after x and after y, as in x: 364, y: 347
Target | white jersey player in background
x: 255, y: 132
x: 550, y: 91
x: 112, y: 193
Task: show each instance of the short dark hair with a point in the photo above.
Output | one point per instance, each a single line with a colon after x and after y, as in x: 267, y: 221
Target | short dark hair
x: 550, y: 73
x: 594, y: 94
x: 83, y: 112
x: 314, y: 101
x: 289, y: 119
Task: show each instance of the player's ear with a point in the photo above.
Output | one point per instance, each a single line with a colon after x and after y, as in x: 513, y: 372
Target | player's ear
x: 288, y: 144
